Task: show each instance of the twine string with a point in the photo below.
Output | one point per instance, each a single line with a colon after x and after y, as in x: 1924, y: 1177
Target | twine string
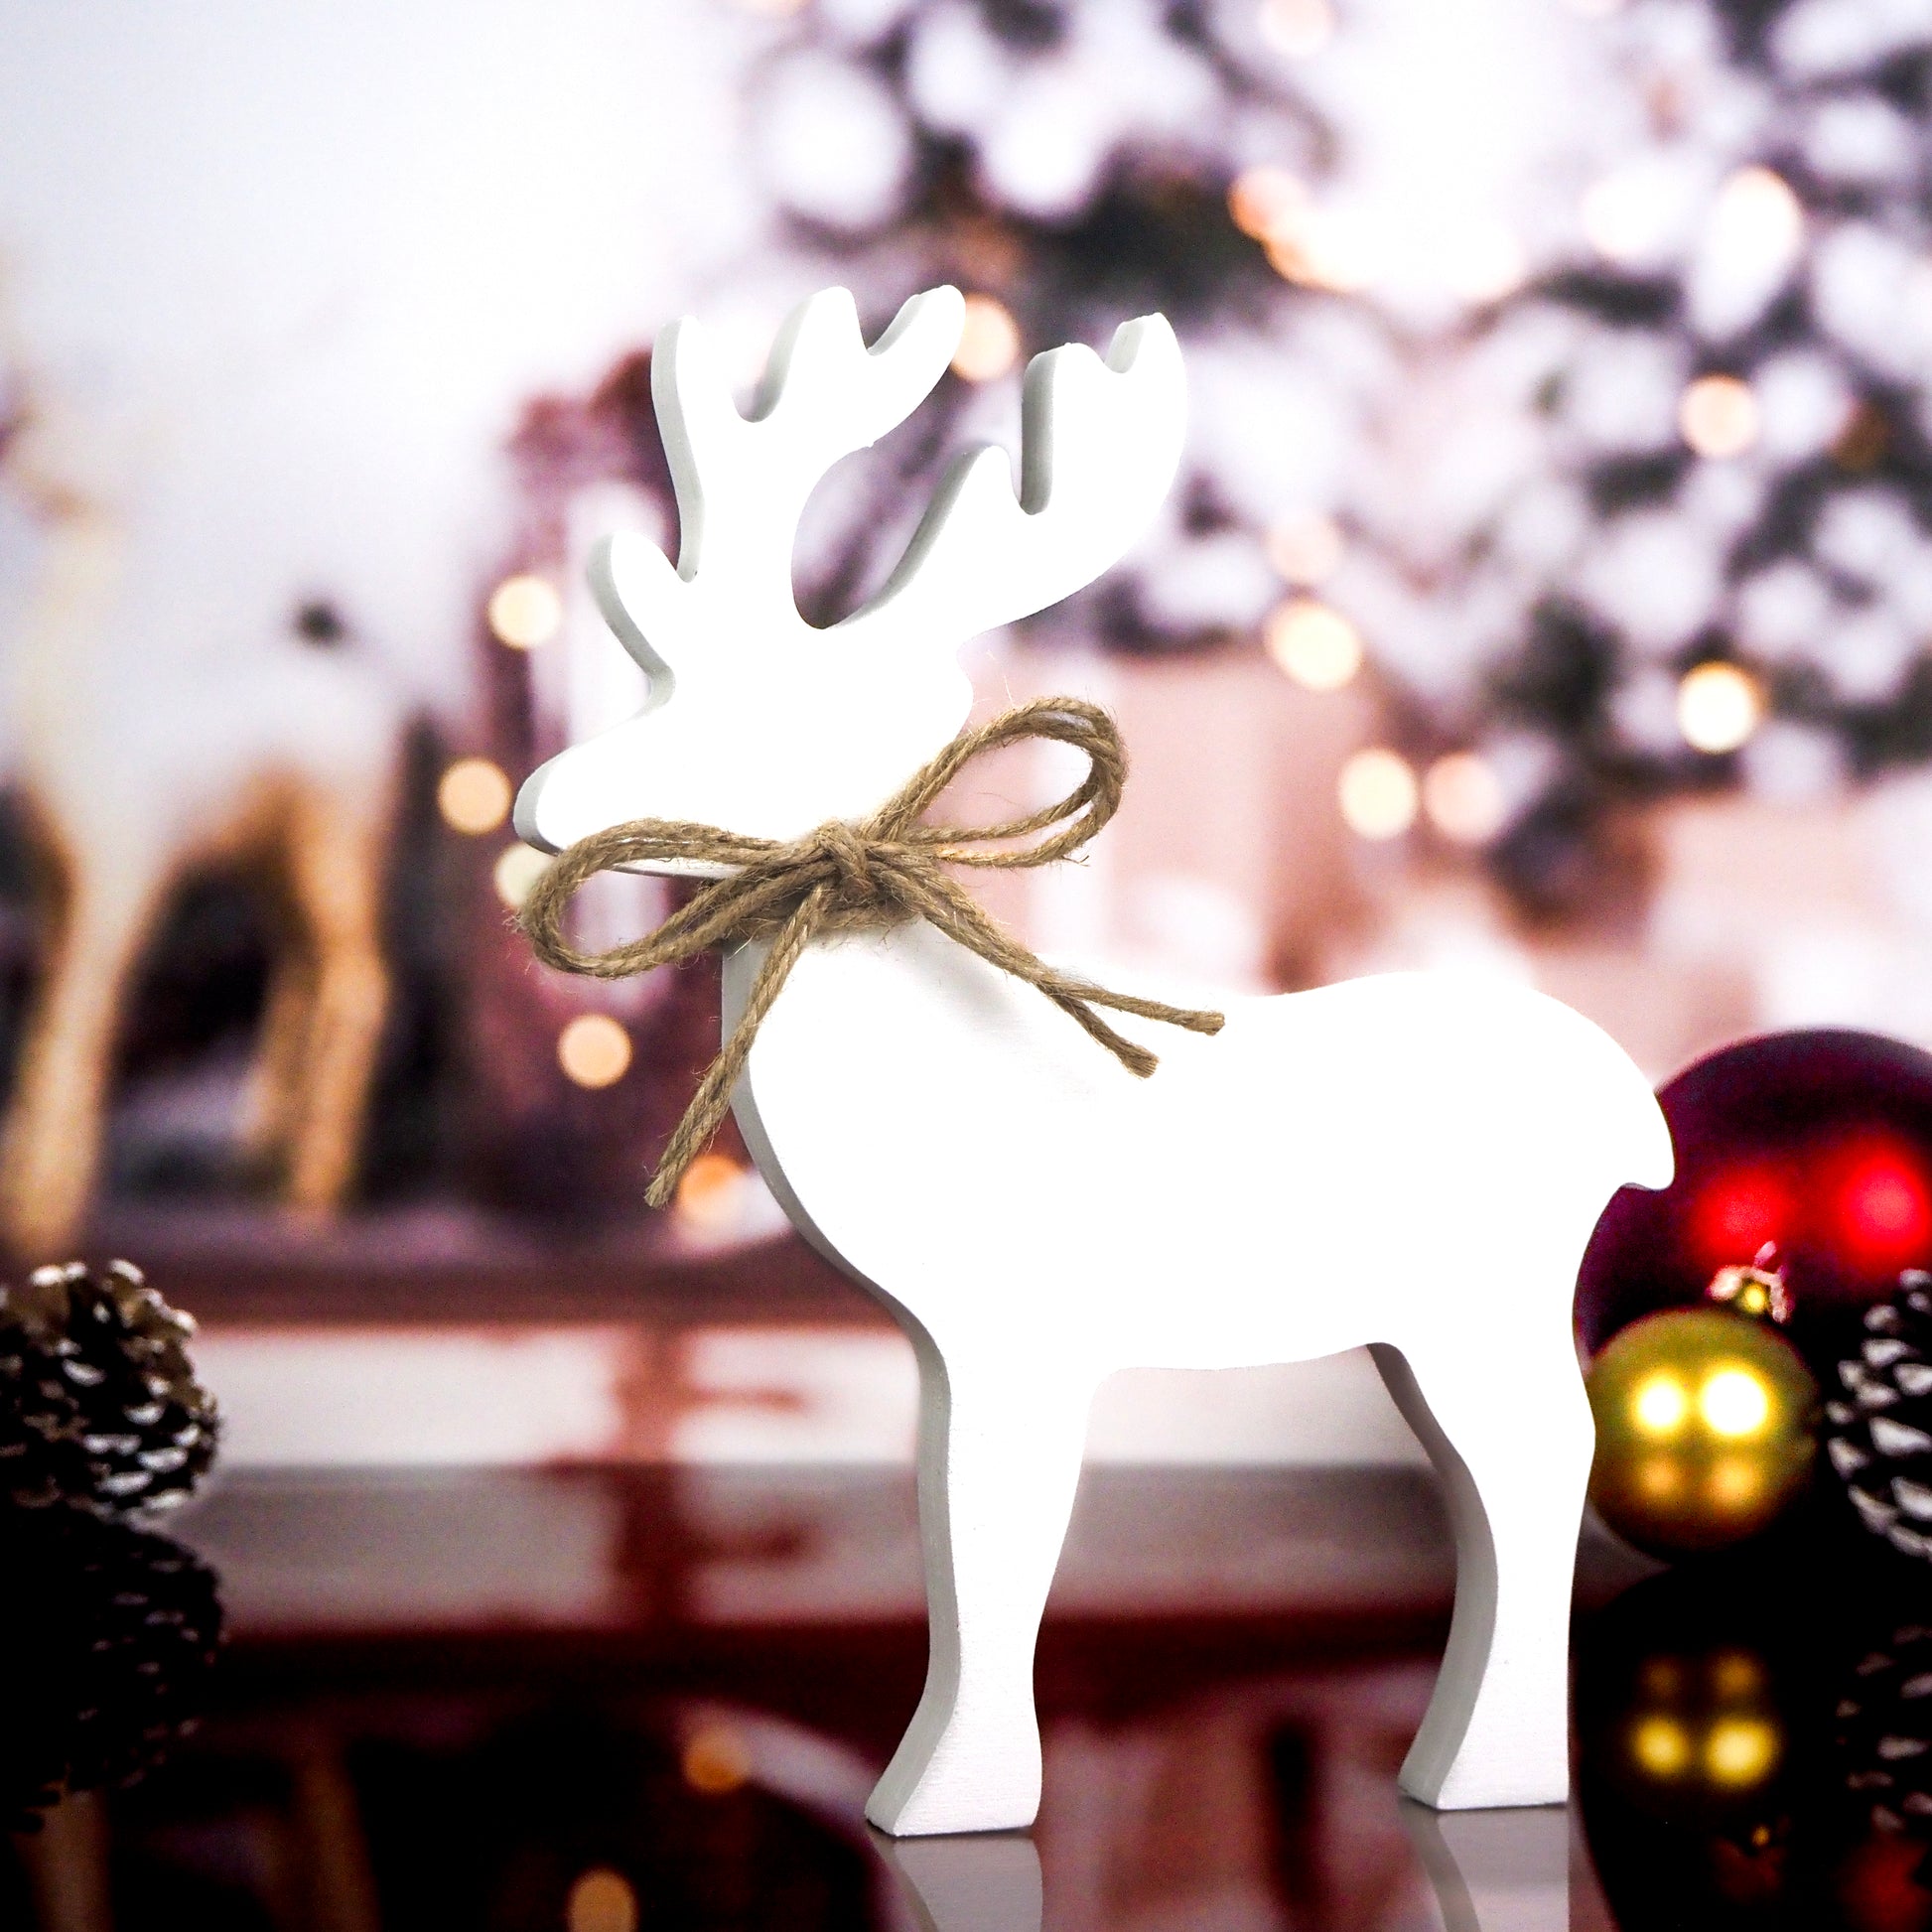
x: 882, y: 872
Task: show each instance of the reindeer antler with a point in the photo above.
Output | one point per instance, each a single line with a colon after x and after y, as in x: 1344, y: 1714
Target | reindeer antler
x: 742, y: 482
x: 1100, y: 442
x: 782, y: 726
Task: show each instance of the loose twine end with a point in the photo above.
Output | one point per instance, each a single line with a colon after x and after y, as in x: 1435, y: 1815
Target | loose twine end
x: 841, y: 877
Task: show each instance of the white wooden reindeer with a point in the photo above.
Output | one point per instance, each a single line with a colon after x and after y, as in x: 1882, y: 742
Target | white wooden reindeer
x: 1410, y: 1161
x: 147, y: 750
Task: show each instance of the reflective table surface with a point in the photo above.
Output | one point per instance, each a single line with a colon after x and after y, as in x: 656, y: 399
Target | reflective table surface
x: 600, y: 1701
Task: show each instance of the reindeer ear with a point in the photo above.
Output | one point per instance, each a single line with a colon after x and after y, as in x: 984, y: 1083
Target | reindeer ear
x: 643, y: 600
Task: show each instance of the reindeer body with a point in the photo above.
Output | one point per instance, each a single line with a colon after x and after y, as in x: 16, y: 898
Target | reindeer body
x: 279, y: 758
x: 1412, y: 1162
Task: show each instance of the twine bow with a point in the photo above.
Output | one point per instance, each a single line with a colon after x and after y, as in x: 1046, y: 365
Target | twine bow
x: 880, y: 873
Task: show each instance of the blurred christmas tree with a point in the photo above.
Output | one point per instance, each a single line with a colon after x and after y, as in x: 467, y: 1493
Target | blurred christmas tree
x: 1705, y: 555
x: 1069, y: 166
x: 1577, y: 357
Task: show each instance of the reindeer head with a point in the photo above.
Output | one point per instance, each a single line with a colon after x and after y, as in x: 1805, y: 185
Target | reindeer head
x: 758, y: 723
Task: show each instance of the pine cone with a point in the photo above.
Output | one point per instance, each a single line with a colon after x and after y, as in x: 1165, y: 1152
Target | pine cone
x: 111, y: 1633
x: 1884, y: 1731
x: 1879, y: 1441
x: 99, y: 1402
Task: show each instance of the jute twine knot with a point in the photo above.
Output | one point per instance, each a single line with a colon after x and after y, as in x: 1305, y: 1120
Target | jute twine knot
x: 880, y: 873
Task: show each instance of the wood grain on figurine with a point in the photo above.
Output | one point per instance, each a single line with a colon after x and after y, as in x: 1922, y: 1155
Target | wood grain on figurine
x: 1412, y: 1162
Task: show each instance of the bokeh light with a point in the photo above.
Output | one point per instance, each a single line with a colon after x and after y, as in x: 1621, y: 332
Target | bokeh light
x: 474, y: 796
x: 1297, y: 29
x: 517, y: 869
x: 1737, y: 1213
x: 1463, y: 798
x: 1741, y: 1751
x: 525, y: 612
x: 594, y: 1051
x: 711, y: 1194
x: 1329, y: 249
x: 1488, y: 266
x: 989, y: 341
x: 602, y: 1900
x: 1734, y: 1402
x: 1756, y: 209
x: 1378, y: 793
x: 1660, y: 1405
x: 1315, y: 645
x: 716, y: 1760
x: 1883, y: 1208
x: 1268, y: 202
x: 1625, y: 215
x: 1718, y: 416
x: 1718, y: 707
x: 1305, y: 547
x: 1661, y: 1746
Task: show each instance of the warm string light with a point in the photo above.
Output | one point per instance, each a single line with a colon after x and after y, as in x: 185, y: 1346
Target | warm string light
x: 594, y: 1051
x: 716, y: 1760
x: 1315, y: 645
x: 1463, y: 798
x: 711, y: 1194
x: 1377, y: 793
x: 1312, y: 247
x: 1297, y: 29
x: 1623, y: 217
x: 602, y: 1900
x: 1718, y: 416
x: 525, y: 612
x: 474, y: 796
x: 1268, y: 204
x: 989, y: 341
x: 1718, y: 707
x: 516, y: 870
x: 1757, y: 213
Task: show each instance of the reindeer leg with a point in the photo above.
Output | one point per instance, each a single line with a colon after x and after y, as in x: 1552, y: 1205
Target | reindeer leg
x: 998, y: 1462
x: 50, y: 1147
x: 336, y: 875
x: 1510, y: 1434
x: 271, y: 1104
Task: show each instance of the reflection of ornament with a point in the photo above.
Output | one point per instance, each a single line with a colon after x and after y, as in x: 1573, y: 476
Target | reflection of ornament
x: 99, y: 1402
x: 109, y: 1634
x: 1879, y: 1439
x: 1819, y: 1141
x: 1757, y: 1750
x: 1692, y: 1744
x: 1702, y: 1421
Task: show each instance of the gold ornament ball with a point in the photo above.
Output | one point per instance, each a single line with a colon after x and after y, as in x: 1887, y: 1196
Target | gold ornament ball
x: 1704, y: 1430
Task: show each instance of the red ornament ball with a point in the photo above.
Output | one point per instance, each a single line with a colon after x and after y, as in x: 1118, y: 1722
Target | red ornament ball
x: 1817, y: 1143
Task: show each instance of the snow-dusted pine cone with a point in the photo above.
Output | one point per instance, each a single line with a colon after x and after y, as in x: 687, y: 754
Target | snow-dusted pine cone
x: 108, y: 1634
x: 1884, y: 1730
x: 1880, y: 1439
x: 99, y: 1402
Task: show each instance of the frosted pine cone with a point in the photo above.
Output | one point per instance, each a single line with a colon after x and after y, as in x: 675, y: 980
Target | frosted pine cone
x: 99, y: 1402
x: 1880, y: 1439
